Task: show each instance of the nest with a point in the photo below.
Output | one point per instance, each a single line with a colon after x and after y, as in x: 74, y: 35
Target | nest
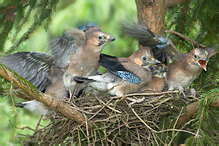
x: 140, y: 119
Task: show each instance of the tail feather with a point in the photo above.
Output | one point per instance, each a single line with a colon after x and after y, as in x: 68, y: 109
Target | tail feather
x: 21, y: 105
x: 82, y: 79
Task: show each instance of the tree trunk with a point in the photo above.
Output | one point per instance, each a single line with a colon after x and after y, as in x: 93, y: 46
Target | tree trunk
x: 152, y: 13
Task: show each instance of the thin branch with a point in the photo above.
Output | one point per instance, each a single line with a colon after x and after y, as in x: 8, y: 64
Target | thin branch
x: 185, y: 37
x: 53, y: 103
x: 38, y: 124
x: 171, y: 3
x: 15, y: 112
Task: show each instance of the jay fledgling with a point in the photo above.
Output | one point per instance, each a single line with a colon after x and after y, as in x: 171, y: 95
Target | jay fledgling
x: 133, y: 70
x: 40, y: 70
x: 186, y: 67
x: 84, y: 47
x: 158, y: 81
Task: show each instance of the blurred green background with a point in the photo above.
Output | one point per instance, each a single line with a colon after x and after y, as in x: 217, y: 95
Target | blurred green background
x: 107, y: 14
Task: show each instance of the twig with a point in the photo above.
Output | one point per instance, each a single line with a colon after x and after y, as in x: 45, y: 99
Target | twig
x: 79, y: 138
x: 185, y: 37
x: 135, y: 101
x: 15, y: 112
x: 173, y: 133
x: 38, y: 124
x: 107, y: 105
x: 149, y: 94
x: 142, y: 120
x: 123, y: 80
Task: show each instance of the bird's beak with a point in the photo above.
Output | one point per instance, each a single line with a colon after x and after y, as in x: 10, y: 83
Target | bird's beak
x: 163, y: 70
x: 203, y: 63
x: 111, y: 39
x: 155, y: 61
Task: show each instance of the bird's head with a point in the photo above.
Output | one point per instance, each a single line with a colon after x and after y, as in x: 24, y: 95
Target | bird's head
x: 98, y: 39
x: 199, y: 57
x: 144, y: 57
x: 158, y: 70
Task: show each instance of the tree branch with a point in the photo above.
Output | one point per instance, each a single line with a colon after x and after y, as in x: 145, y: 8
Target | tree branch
x: 192, y: 109
x: 185, y: 37
x: 170, y: 3
x: 53, y: 103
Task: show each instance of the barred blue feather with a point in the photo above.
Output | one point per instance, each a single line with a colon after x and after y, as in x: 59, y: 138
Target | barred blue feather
x: 130, y: 77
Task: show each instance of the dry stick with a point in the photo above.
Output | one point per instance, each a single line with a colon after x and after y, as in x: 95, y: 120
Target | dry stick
x: 161, y: 130
x: 98, y: 111
x: 55, y: 104
x: 123, y: 80
x: 173, y: 133
x: 107, y: 105
x: 79, y: 138
x: 15, y: 112
x: 38, y: 124
x: 149, y: 94
x: 193, y: 108
x: 185, y: 37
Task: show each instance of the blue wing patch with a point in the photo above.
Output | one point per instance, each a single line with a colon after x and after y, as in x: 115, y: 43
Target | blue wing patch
x: 130, y: 77
x: 163, y: 42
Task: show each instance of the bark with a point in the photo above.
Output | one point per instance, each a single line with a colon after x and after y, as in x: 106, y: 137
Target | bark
x: 53, y: 103
x: 152, y: 13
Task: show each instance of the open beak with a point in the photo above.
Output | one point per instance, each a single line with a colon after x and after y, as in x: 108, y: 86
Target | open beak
x: 203, y: 63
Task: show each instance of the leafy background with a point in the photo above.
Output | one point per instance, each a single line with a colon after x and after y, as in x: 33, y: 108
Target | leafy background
x: 197, y: 19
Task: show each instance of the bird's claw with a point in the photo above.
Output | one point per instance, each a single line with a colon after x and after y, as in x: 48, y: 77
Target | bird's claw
x: 181, y: 91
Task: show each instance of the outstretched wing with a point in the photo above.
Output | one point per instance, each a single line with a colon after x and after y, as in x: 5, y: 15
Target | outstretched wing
x: 147, y: 38
x: 34, y: 67
x: 115, y: 66
x: 66, y: 44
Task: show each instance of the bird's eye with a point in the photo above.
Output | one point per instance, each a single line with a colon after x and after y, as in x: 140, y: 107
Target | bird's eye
x: 152, y: 68
x: 195, y: 56
x: 143, y: 58
x: 100, y: 37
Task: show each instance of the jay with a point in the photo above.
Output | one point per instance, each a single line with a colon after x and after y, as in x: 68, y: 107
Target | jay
x: 40, y: 70
x: 158, y: 81
x: 84, y: 46
x: 184, y: 69
x: 45, y: 72
x: 125, y: 75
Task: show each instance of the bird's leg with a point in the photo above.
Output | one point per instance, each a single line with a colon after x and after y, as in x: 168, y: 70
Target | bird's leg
x: 181, y: 90
x: 193, y: 92
x: 70, y: 98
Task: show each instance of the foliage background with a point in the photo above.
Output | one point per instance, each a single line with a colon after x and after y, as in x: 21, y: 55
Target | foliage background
x: 197, y: 20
